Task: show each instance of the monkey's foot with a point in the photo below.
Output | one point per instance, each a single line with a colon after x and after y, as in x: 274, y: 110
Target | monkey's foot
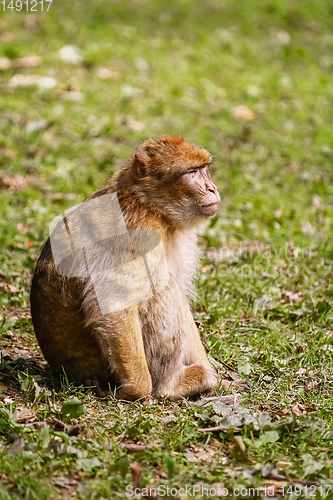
x: 239, y: 385
x: 94, y: 384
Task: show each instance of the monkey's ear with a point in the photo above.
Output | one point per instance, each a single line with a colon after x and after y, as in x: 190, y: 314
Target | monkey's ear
x: 138, y: 168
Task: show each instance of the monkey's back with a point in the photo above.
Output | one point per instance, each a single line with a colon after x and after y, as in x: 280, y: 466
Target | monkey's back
x: 58, y: 320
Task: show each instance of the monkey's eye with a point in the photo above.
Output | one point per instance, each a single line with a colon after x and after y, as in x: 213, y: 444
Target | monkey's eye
x: 191, y: 171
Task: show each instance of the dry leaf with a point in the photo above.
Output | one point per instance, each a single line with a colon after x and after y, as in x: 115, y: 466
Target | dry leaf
x: 298, y: 409
x: 300, y: 348
x: 135, y: 125
x: 9, y: 153
x: 106, y: 73
x: 25, y: 415
x: 4, y: 63
x: 70, y: 54
x: 20, y: 313
x: 47, y: 82
x: 23, y: 80
x: 293, y: 296
x: 315, y: 201
x: 283, y: 37
x: 11, y: 288
x: 7, y: 37
x: 309, y: 386
x: 3, y: 275
x: 242, y: 112
x: 8, y: 400
x: 129, y: 91
x: 15, y: 182
x: 71, y: 95
x: 27, y: 61
x: 31, y: 20
x: 307, y: 228
x: 22, y: 228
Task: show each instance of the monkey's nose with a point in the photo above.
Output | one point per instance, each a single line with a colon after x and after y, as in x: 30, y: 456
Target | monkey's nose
x: 211, y: 188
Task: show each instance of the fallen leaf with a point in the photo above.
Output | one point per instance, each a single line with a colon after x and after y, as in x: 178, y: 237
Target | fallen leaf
x: 47, y: 82
x: 7, y: 37
x: 315, y: 201
x: 34, y: 125
x: 293, y: 296
x: 8, y: 401
x: 9, y: 153
x: 20, y: 313
x: 4, y: 63
x: 27, y: 61
x: 23, y: 80
x: 70, y: 54
x: 11, y: 288
x: 280, y: 464
x: 25, y: 415
x: 31, y: 20
x: 309, y: 386
x: 293, y: 252
x: 298, y: 409
x: 22, y: 228
x: 129, y: 91
x: 300, y: 348
x: 3, y: 275
x: 135, y: 125
x: 283, y: 37
x: 71, y: 95
x: 307, y: 228
x: 15, y: 182
x: 106, y: 73
x: 242, y: 112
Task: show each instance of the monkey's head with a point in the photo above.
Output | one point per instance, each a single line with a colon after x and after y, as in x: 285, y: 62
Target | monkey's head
x: 172, y: 177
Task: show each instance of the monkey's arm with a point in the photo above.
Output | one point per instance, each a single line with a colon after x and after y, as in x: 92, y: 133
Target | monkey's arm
x: 120, y: 338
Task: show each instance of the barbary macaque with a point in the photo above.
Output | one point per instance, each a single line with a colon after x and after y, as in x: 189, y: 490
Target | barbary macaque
x: 114, y: 310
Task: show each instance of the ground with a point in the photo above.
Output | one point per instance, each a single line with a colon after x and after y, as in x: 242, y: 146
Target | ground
x: 252, y: 83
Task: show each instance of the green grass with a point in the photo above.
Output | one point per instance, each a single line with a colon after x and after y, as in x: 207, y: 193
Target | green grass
x: 265, y: 287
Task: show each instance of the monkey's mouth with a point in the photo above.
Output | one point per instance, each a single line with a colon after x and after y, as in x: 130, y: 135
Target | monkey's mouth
x: 209, y: 209
x: 211, y: 205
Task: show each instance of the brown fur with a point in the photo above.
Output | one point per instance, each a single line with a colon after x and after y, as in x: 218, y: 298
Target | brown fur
x: 153, y: 347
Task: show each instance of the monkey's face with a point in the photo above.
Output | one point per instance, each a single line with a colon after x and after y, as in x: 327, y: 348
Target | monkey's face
x: 200, y: 191
x: 172, y: 176
x: 190, y: 196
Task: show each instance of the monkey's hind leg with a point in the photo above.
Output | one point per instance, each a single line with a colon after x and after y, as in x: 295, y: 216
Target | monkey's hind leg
x: 196, y: 354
